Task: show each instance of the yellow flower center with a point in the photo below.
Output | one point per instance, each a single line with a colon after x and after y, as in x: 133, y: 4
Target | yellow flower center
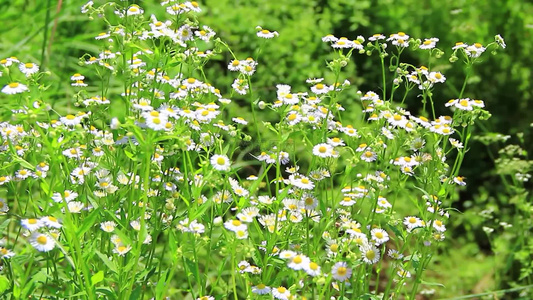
x: 341, y: 271
x: 42, y: 240
x: 14, y: 85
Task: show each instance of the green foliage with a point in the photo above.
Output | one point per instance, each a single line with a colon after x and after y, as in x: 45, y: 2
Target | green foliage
x: 491, y: 233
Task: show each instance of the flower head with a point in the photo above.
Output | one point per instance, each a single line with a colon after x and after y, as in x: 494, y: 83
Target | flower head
x: 42, y: 242
x: 267, y: 34
x: 220, y: 162
x: 341, y: 271
x: 14, y: 88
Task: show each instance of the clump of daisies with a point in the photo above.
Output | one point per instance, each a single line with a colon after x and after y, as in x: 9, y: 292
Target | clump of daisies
x: 164, y: 190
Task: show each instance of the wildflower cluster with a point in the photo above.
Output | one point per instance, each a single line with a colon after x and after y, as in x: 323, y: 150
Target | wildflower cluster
x: 162, y: 190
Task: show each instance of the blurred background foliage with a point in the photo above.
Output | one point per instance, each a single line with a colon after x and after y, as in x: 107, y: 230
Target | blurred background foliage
x: 54, y: 34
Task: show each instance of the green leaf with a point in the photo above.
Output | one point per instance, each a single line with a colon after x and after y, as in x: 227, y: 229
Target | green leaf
x: 396, y: 231
x: 200, y: 211
x: 16, y: 291
x: 160, y: 288
x: 192, y: 268
x: 45, y: 187
x: 432, y: 283
x: 24, y: 163
x: 130, y: 155
x: 30, y: 286
x: 136, y: 294
x: 4, y: 225
x: 4, y: 283
x: 88, y: 222
x: 111, y: 265
x: 96, y: 278
x: 107, y: 292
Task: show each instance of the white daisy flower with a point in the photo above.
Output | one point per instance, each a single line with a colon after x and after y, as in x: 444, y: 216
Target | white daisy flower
x: 234, y: 225
x: 436, y: 77
x: 267, y: 34
x: 459, y: 180
x: 379, y: 236
x: 439, y: 226
x: 323, y: 150
x: 298, y: 262
x: 370, y: 253
x: 31, y: 224
x: 29, y: 69
x: 376, y: 37
x: 313, y: 269
x: 287, y: 254
x: 281, y: 293
x: 220, y: 162
x: 70, y: 120
x: 412, y: 222
x: 155, y: 120
x: 133, y: 10
x: 14, y: 88
x: 42, y: 242
x: 341, y: 271
x: 301, y: 182
x: 321, y: 88
x: 75, y: 207
x: 429, y: 43
x: 108, y: 226
x: 50, y: 221
x: 369, y: 156
x: 121, y: 250
x: 261, y: 289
